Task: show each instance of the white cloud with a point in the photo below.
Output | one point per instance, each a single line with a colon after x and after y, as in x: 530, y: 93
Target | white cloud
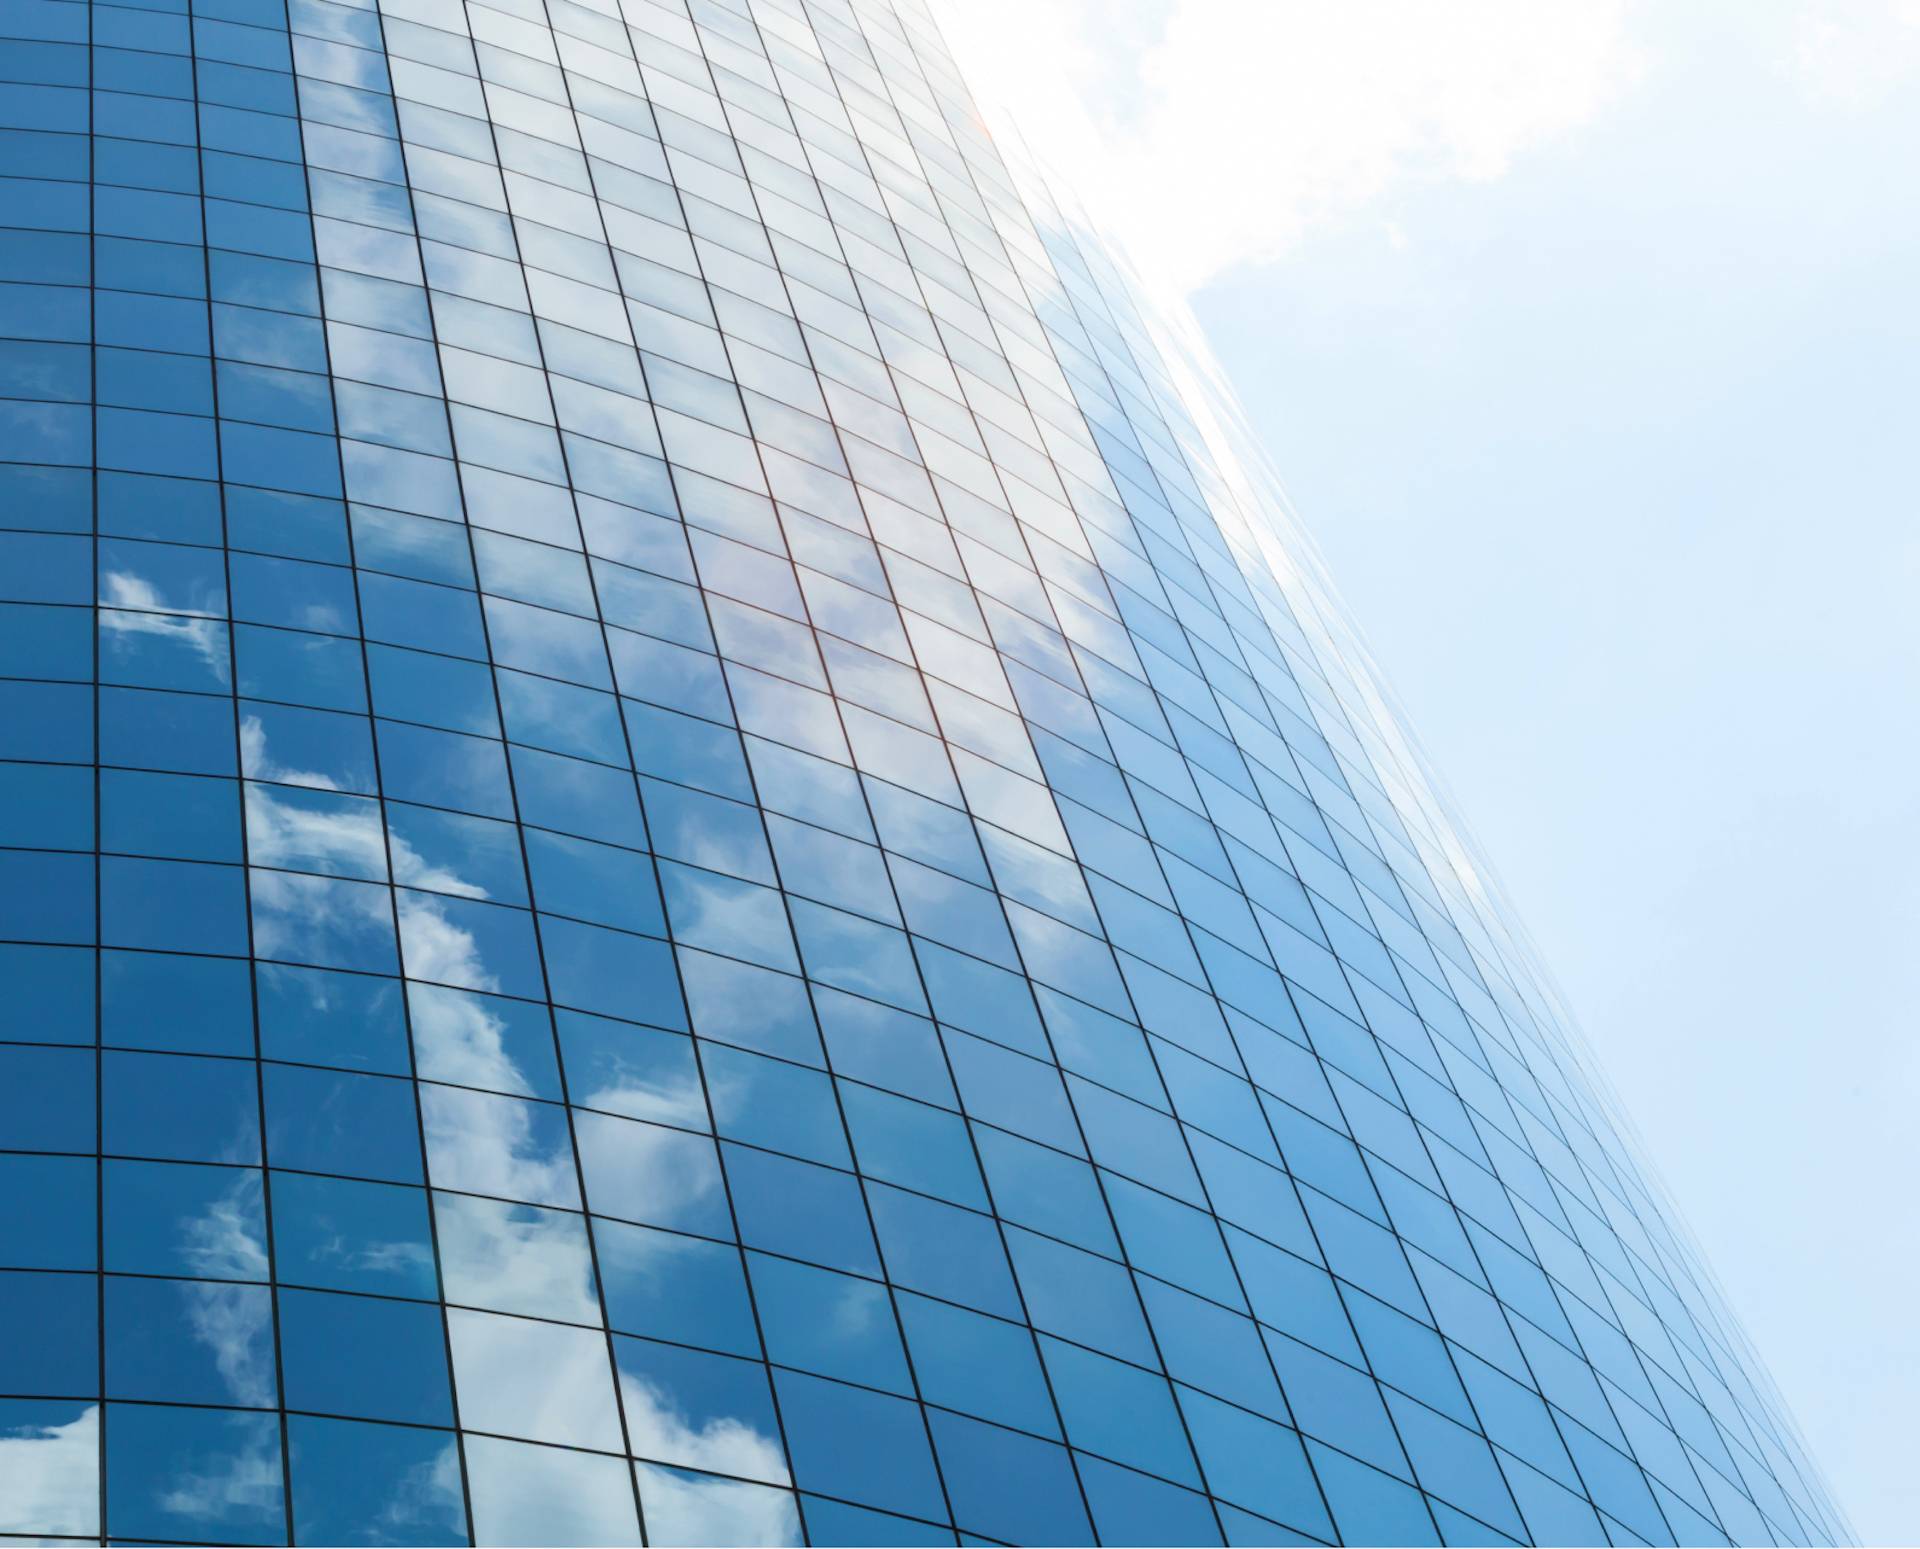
x: 50, y: 1472
x: 542, y: 1381
x: 129, y: 610
x: 344, y: 839
x: 699, y: 1509
x: 548, y: 1495
x: 486, y: 1144
x: 1854, y: 55
x: 515, y: 1258
x: 317, y: 919
x: 1204, y: 134
x: 665, y: 1099
x: 462, y: 1039
x: 721, y: 1443
x: 436, y: 948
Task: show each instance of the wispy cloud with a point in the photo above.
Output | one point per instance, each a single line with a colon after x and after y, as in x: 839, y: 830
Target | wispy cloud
x: 1211, y: 133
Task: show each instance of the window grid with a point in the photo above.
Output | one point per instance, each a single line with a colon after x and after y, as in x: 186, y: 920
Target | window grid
x: 688, y: 853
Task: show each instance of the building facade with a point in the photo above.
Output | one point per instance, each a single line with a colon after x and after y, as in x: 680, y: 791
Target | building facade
x: 691, y: 856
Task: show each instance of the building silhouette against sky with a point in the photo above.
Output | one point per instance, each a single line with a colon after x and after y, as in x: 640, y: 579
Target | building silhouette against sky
x: 689, y: 850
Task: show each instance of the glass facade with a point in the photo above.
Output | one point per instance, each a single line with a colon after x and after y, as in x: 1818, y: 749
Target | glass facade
x: 691, y: 856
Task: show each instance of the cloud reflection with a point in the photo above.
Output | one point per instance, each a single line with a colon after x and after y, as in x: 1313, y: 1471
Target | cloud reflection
x: 204, y: 636
x: 725, y: 1444
x: 243, y: 1481
x: 516, y: 1258
x: 222, y: 1240
x: 545, y: 1495
x: 696, y: 1510
x: 235, y: 1325
x: 49, y: 1469
x: 427, y: 1496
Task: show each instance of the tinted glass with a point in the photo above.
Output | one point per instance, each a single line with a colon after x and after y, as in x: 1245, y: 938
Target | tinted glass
x: 687, y: 856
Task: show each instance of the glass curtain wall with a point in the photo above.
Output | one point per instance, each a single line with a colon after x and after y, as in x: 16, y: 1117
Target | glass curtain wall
x: 688, y: 855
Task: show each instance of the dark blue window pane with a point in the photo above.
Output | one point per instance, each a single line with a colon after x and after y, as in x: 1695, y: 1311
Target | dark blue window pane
x: 578, y: 797
x: 793, y: 1207
x: 1008, y: 1486
x: 152, y: 1452
x: 46, y: 1098
x: 913, y: 1145
x: 46, y: 897
x: 42, y: 642
x: 863, y: 1447
x: 440, y: 691
x: 1080, y: 1296
x: 362, y: 1484
x: 61, y: 1358
x: 774, y: 1105
x: 186, y: 1005
x: 341, y: 1122
x: 178, y: 906
x: 676, y: 1288
x: 172, y: 1218
x: 305, y: 669
x: 46, y: 805
x: 364, y: 1356
x: 1131, y: 1508
x: 317, y: 1017
x: 835, y: 1522
x: 437, y: 768
x: 314, y: 748
x: 1119, y: 1411
x: 978, y: 1365
x: 169, y: 815
x: 181, y: 1107
x: 1370, y: 1507
x: 276, y: 523
x: 50, y: 994
x: 191, y: 733
x: 830, y: 1323
x: 943, y: 1250
x: 345, y: 1235
x: 176, y: 510
x: 47, y: 1211
x: 189, y: 1341
x: 605, y: 972
x: 46, y: 721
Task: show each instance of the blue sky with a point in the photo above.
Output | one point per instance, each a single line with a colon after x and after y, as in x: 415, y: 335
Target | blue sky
x: 1587, y: 340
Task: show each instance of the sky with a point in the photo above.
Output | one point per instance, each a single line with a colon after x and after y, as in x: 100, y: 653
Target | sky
x: 1586, y: 339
